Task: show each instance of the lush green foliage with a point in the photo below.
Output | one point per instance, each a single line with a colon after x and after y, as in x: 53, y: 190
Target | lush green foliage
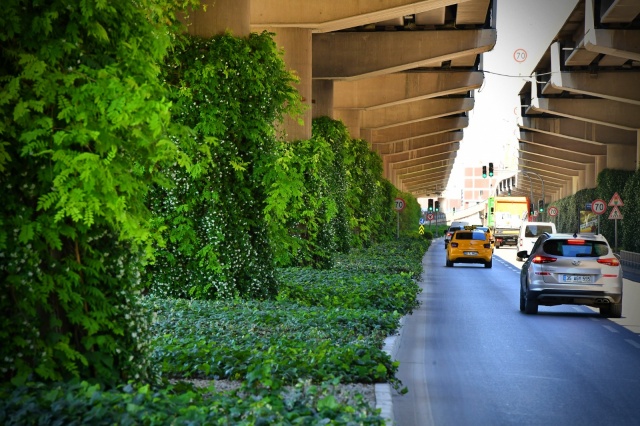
x: 235, y: 340
x: 83, y: 403
x: 627, y: 185
x: 212, y: 217
x: 629, y: 229
x: 287, y: 355
x: 610, y: 182
x: 83, y: 122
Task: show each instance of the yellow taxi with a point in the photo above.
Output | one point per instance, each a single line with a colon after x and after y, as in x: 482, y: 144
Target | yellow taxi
x: 470, y: 246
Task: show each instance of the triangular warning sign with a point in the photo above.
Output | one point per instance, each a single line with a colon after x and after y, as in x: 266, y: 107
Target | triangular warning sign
x: 616, y: 200
x: 615, y: 213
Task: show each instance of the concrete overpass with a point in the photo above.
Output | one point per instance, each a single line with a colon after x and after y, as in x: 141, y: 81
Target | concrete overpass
x: 581, y: 110
x: 399, y: 73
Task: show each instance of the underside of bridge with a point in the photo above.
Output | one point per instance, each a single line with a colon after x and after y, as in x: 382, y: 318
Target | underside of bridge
x: 581, y: 109
x: 399, y: 74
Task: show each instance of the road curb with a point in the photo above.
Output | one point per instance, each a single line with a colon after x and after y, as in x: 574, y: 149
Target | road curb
x: 383, y: 391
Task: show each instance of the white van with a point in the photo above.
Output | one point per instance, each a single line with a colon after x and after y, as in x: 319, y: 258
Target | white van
x: 529, y: 233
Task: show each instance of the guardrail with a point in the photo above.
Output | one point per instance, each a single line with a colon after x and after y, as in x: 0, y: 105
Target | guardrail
x: 630, y: 262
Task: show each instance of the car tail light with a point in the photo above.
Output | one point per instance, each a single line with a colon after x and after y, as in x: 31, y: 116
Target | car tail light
x: 610, y: 261
x: 543, y: 259
x: 575, y: 242
x: 454, y: 244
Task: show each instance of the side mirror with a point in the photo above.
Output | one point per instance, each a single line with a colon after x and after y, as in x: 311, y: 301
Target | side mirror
x: 522, y: 254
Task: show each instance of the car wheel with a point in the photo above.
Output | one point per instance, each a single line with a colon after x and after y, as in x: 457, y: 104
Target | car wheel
x: 530, y: 306
x: 522, y: 303
x: 449, y: 263
x: 613, y: 310
x: 489, y: 264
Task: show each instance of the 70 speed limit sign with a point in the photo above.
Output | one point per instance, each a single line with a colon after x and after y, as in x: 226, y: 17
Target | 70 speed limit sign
x: 598, y: 206
x: 400, y: 204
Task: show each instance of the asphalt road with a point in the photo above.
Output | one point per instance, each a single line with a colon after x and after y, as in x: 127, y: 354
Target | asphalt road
x: 469, y: 356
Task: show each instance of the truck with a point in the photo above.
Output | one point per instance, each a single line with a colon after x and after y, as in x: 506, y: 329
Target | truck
x: 504, y: 217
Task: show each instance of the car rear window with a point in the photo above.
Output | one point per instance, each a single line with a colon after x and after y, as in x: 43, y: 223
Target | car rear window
x: 575, y: 248
x: 536, y: 230
x: 477, y: 235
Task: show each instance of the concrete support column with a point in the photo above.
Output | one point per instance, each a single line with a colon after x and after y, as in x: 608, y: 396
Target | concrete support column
x: 322, y: 98
x: 296, y: 43
x: 352, y: 118
x: 590, y: 176
x: 618, y: 156
x: 220, y: 16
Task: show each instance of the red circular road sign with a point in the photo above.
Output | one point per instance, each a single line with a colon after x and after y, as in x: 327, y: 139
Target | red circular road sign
x: 430, y: 216
x: 400, y: 204
x: 598, y: 206
x: 520, y: 55
x: 553, y: 211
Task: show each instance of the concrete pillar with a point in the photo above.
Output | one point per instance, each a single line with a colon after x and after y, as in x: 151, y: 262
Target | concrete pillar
x: 351, y: 118
x: 220, y: 16
x: 322, y: 98
x: 618, y: 157
x: 590, y: 176
x: 296, y: 43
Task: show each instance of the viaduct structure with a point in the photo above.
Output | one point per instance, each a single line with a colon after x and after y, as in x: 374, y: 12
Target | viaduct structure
x: 399, y: 73
x: 581, y: 109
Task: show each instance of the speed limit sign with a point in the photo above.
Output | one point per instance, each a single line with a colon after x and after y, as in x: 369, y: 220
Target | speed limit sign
x: 553, y: 211
x: 598, y: 206
x: 400, y: 204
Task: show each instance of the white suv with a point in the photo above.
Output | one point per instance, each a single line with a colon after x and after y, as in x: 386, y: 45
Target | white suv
x: 529, y: 233
x: 571, y: 269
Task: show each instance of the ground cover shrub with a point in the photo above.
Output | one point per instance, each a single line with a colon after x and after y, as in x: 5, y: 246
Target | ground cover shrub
x: 336, y: 288
x: 279, y: 341
x: 403, y: 255
x: 83, y: 403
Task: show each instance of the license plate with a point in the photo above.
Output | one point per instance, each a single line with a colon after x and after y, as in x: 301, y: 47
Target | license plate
x: 576, y: 278
x: 470, y: 253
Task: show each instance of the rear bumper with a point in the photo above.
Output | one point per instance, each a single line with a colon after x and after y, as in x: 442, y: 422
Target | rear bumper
x: 569, y: 297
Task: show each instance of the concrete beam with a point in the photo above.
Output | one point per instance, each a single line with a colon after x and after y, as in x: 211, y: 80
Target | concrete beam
x: 408, y: 145
x: 619, y: 43
x: 415, y: 111
x: 398, y: 88
x: 423, y: 160
x: 578, y: 130
x: 415, y: 130
x: 558, y: 154
x: 599, y: 111
x: 560, y: 143
x: 335, y: 15
x: 567, y: 168
x: 422, y: 153
x: 355, y: 55
x: 439, y: 167
x: 612, y: 85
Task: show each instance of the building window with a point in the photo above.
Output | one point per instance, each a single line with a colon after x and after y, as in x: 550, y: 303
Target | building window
x: 481, y: 192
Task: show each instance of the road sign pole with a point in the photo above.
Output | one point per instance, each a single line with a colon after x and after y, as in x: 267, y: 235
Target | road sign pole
x: 398, y: 222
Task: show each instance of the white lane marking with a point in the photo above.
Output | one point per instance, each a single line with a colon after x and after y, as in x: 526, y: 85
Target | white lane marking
x: 633, y: 343
x: 611, y: 329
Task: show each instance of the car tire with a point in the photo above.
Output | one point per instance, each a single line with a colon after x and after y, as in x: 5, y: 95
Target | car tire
x: 522, y: 302
x: 449, y: 263
x: 530, y: 306
x: 489, y: 264
x: 613, y: 310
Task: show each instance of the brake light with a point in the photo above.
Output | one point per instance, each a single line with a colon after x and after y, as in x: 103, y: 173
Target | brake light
x: 610, y: 261
x: 543, y: 259
x: 575, y: 242
x: 454, y: 244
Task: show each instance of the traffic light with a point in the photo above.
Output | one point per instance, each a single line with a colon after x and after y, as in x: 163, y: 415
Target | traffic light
x: 430, y: 204
x: 540, y: 206
x: 490, y: 169
x: 437, y: 205
x: 484, y: 171
x: 530, y: 209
